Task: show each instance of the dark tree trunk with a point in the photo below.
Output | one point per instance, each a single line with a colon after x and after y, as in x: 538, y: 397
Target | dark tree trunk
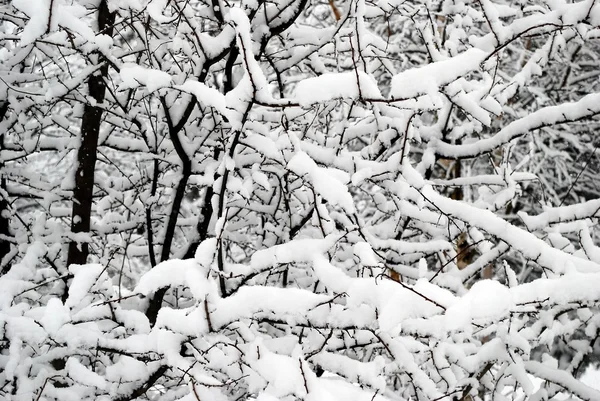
x: 86, y: 155
x: 4, y: 229
x: 4, y: 220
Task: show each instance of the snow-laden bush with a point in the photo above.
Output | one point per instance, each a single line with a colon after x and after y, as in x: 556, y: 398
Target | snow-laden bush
x: 342, y: 200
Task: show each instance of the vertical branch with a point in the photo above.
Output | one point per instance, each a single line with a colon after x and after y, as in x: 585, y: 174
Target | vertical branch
x: 156, y: 301
x: 149, y: 230
x: 205, y: 217
x: 86, y: 154
x: 49, y: 25
x: 4, y: 220
x: 186, y: 172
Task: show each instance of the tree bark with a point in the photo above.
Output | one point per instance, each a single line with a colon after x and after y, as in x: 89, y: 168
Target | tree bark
x: 4, y: 220
x: 86, y: 155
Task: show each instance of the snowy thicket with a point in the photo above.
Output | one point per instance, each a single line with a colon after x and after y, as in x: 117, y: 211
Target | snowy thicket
x: 299, y: 200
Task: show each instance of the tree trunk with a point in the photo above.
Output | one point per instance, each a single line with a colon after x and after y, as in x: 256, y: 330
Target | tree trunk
x: 86, y: 155
x: 4, y: 220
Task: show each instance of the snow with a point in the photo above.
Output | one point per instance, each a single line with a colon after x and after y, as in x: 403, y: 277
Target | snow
x: 132, y: 319
x: 331, y: 86
x: 591, y: 378
x: 47, y: 15
x: 155, y: 10
x: 133, y: 76
x: 205, y: 253
x: 206, y: 95
x: 365, y: 254
x: 39, y: 12
x: 255, y: 301
x: 552, y: 215
x: 254, y: 72
x: 81, y: 374
x: 84, y: 278
x: 56, y: 315
x: 176, y: 272
x: 281, y: 373
x: 324, y: 182
x: 369, y: 373
x: 428, y: 79
x: 487, y: 300
x: 531, y: 246
x: 564, y: 379
x: 189, y: 322
x: 486, y: 179
x: 588, y: 105
x: 126, y: 369
x: 342, y: 391
x: 404, y: 359
x: 298, y: 250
